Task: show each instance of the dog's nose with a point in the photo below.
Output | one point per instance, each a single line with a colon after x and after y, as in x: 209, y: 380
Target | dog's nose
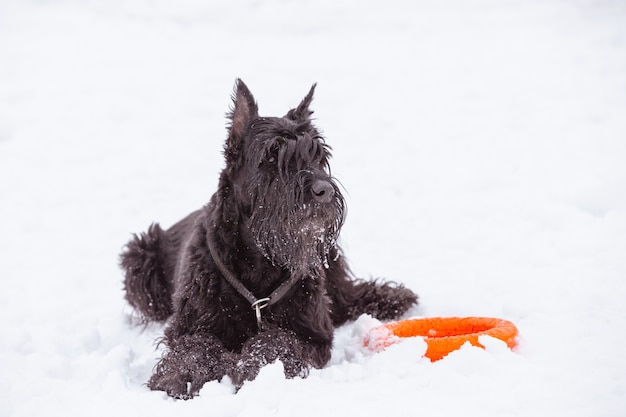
x: 323, y: 191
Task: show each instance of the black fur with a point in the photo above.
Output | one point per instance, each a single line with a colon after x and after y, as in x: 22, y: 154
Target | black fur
x: 277, y: 213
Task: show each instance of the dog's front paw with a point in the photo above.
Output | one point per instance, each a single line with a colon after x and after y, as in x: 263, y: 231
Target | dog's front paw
x: 175, y: 384
x: 191, y: 361
x: 266, y: 348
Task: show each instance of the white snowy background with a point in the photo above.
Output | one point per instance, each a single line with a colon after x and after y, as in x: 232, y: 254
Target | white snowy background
x: 482, y: 145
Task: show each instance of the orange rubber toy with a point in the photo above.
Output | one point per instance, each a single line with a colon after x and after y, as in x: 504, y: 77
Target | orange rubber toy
x: 442, y: 334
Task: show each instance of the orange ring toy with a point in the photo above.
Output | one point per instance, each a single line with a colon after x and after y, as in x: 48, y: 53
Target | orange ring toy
x: 442, y: 334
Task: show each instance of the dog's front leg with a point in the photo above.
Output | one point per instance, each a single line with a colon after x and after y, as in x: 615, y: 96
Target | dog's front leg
x: 191, y: 361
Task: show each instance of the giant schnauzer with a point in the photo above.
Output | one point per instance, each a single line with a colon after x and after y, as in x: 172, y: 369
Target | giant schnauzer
x: 256, y: 275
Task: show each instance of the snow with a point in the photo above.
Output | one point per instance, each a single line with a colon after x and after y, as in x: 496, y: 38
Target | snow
x: 481, y: 145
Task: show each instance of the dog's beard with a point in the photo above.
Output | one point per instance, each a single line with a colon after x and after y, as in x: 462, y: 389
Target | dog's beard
x: 297, y: 236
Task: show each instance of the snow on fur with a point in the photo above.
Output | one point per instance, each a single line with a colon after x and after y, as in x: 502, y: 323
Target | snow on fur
x: 481, y: 145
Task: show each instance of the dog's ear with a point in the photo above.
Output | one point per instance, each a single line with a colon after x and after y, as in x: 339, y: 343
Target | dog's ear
x: 244, y: 109
x: 302, y: 112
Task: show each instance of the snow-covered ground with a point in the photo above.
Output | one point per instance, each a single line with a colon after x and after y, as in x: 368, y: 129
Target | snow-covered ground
x: 482, y: 145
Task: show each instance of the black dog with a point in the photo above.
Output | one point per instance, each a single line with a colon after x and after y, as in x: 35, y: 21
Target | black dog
x: 256, y: 275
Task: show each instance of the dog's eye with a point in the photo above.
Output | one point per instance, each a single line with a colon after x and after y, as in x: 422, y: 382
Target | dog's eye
x: 269, y: 161
x: 271, y: 155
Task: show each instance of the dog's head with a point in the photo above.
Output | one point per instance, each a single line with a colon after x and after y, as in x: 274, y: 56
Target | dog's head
x: 277, y: 175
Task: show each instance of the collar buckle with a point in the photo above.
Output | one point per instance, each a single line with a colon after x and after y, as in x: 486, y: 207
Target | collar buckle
x: 257, y: 306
